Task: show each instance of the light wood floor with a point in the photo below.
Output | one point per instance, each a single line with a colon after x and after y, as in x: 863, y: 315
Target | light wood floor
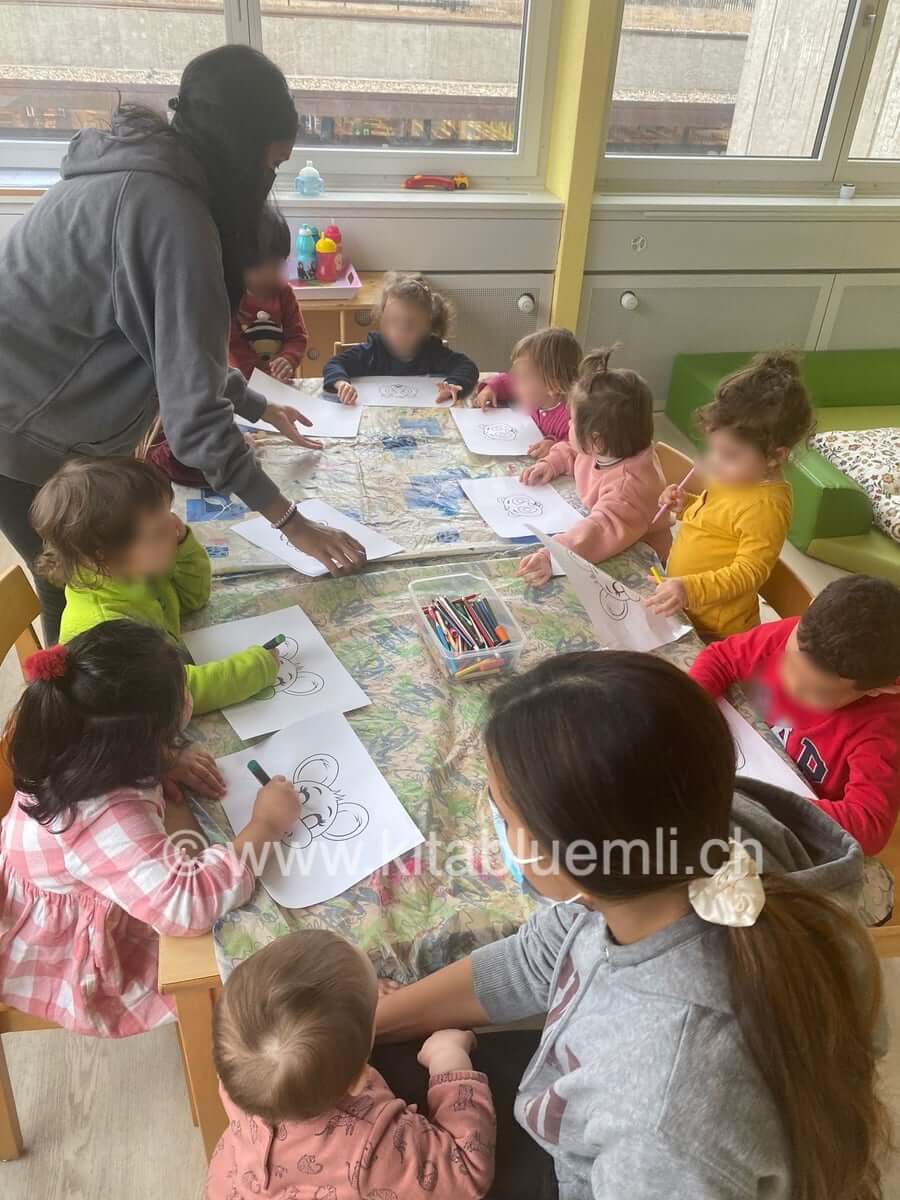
x: 104, y: 1120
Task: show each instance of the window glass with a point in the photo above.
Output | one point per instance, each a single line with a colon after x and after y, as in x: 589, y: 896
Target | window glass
x: 63, y: 65
x: 747, y: 78
x: 445, y: 74
x: 877, y: 132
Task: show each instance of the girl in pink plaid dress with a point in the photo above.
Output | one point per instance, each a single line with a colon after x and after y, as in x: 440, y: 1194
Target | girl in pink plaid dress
x: 88, y: 875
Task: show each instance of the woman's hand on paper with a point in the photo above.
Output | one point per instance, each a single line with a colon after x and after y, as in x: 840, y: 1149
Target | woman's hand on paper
x: 285, y: 419
x: 336, y: 550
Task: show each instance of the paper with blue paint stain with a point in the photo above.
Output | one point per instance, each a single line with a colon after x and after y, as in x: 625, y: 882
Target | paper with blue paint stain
x: 212, y: 506
x: 440, y: 492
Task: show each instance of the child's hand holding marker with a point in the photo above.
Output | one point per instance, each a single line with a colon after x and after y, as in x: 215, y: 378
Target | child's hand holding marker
x: 277, y: 806
x: 486, y: 398
x: 670, y: 596
x: 672, y: 497
x: 272, y: 646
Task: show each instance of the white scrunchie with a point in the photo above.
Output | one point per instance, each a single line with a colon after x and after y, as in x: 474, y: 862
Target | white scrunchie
x: 734, y: 895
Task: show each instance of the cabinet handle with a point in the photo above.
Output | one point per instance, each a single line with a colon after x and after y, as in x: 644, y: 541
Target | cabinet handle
x: 629, y: 301
x: 525, y: 303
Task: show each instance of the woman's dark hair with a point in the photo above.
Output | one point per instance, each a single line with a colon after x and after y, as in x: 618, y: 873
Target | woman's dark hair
x: 109, y: 720
x: 274, y: 239
x: 612, y: 406
x: 88, y: 511
x: 610, y: 747
x: 233, y: 102
x: 765, y: 404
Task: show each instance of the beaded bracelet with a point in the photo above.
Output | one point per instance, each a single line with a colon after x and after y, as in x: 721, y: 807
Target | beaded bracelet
x: 282, y: 521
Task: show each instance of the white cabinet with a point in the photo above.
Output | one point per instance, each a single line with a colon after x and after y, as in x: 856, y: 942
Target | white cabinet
x: 489, y: 321
x: 863, y: 313
x: 669, y: 314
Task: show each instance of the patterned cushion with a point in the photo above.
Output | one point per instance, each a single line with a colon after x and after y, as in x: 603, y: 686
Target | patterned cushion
x: 871, y: 458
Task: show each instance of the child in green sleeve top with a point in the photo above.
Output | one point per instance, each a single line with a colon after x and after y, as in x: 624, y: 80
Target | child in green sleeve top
x: 111, y: 538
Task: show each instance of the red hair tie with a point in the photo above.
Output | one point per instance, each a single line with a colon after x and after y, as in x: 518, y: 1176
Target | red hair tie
x: 46, y: 664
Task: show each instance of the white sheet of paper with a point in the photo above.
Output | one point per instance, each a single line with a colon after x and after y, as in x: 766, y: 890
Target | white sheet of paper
x: 258, y: 531
x: 757, y: 759
x: 310, y: 678
x: 496, y: 430
x: 329, y: 418
x: 511, y: 508
x: 398, y: 391
x: 351, y: 823
x: 617, y: 615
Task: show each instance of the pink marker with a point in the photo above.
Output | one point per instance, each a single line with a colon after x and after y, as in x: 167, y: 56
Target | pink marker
x: 662, y: 508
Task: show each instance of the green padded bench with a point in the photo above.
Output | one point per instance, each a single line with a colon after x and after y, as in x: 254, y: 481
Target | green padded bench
x: 851, y: 389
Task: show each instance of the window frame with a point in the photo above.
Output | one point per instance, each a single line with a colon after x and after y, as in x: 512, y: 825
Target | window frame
x: 372, y: 166
x: 721, y: 173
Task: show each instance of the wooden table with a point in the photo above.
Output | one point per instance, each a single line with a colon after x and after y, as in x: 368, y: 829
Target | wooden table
x: 188, y: 973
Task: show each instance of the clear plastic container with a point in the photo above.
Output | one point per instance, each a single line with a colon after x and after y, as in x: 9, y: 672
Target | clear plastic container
x: 470, y: 665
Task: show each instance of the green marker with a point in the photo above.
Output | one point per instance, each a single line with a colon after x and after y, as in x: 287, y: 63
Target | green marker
x: 255, y: 769
x: 273, y: 642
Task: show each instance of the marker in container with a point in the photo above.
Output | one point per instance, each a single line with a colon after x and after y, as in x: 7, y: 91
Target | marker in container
x: 273, y: 642
x: 256, y: 770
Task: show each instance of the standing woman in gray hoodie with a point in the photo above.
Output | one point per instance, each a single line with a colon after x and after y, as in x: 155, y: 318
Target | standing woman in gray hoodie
x: 118, y: 288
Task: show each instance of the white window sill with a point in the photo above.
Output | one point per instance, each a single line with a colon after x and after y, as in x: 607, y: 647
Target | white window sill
x: 738, y: 207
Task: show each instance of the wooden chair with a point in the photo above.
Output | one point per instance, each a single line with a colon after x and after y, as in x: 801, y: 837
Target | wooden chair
x: 887, y: 937
x: 340, y: 347
x: 675, y: 465
x: 785, y: 592
x: 19, y: 609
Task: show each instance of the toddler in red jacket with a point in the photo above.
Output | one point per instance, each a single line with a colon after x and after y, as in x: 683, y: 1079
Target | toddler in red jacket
x: 828, y: 684
x: 308, y: 1116
x: 268, y: 331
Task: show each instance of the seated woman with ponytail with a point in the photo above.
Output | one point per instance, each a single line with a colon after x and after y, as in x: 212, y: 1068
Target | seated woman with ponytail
x: 88, y: 875
x: 711, y: 1004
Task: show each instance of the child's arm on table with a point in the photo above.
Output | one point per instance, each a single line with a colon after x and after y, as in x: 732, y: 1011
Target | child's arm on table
x: 191, y: 575
x: 459, y: 372
x: 126, y: 855
x: 495, y: 391
x: 759, y: 544
x: 736, y: 658
x: 451, y: 1153
x: 231, y: 680
x: 349, y: 364
x: 869, y: 807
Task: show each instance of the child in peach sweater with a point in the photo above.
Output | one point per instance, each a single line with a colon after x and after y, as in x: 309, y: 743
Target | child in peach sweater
x: 617, y: 474
x: 308, y: 1117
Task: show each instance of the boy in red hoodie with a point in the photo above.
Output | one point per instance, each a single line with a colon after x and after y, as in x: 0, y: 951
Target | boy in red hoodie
x: 267, y: 331
x: 828, y: 683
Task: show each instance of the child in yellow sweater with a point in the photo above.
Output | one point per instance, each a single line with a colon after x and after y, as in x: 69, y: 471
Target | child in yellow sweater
x: 732, y: 532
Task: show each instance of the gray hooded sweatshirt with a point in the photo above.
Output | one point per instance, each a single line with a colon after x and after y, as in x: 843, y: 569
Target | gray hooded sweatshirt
x: 112, y: 294
x: 642, y: 1086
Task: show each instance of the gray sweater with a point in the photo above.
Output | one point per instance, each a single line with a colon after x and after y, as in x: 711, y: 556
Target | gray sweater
x: 642, y: 1085
x: 113, y: 294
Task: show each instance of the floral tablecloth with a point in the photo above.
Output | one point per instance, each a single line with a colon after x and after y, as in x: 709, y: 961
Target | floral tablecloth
x: 424, y: 735
x: 400, y: 475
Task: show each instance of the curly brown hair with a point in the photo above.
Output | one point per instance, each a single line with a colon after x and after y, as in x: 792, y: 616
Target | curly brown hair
x: 852, y: 630
x: 88, y: 511
x: 415, y: 289
x: 765, y: 404
x: 611, y: 407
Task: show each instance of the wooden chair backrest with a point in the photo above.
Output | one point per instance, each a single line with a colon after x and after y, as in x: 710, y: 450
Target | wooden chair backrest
x: 675, y: 465
x: 340, y: 347
x: 785, y: 591
x: 19, y: 609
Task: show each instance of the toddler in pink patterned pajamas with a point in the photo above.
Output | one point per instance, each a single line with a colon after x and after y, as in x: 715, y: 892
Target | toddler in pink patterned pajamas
x: 309, y: 1119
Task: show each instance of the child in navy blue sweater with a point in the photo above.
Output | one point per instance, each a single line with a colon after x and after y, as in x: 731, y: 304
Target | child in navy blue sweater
x: 413, y: 321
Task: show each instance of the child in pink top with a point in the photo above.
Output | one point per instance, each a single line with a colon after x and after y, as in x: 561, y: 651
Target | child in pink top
x: 617, y: 474
x: 308, y: 1117
x: 88, y: 874
x: 544, y: 367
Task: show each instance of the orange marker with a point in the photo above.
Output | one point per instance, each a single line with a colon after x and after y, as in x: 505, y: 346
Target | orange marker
x: 502, y: 634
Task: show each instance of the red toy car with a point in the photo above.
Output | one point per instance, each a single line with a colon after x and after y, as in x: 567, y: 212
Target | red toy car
x: 448, y: 183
